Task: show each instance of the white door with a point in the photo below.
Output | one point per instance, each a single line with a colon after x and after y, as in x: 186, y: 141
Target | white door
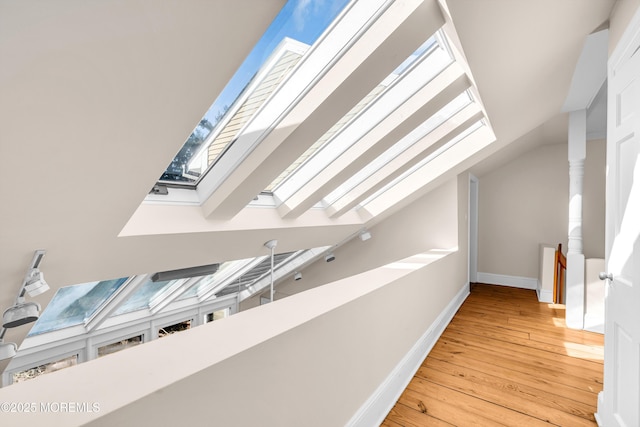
x: 619, y: 403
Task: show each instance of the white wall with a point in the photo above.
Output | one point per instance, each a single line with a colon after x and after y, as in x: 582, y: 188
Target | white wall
x: 424, y: 225
x: 311, y: 359
x: 525, y: 202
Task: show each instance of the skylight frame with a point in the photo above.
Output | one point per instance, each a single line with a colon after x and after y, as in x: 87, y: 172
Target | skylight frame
x: 420, y: 132
x: 342, y: 140
x: 454, y: 141
x: 63, y: 323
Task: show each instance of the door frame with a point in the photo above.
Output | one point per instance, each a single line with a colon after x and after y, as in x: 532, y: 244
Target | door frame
x: 472, y: 230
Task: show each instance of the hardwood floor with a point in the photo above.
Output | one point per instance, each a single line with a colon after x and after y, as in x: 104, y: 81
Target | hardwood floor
x: 505, y: 360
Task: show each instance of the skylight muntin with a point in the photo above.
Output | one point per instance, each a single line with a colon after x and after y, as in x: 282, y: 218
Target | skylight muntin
x: 428, y: 126
x: 460, y: 137
x: 349, y: 134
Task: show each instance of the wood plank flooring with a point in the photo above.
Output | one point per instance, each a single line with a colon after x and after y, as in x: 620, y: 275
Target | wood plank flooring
x: 505, y: 360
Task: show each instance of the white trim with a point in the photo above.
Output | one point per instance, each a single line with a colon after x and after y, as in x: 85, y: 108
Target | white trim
x: 545, y: 295
x: 472, y: 229
x: 504, y: 280
x: 378, y: 405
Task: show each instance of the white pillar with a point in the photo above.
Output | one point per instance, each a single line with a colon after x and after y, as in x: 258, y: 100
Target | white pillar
x: 575, y: 257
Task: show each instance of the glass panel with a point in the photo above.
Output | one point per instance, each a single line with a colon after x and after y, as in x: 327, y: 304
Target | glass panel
x: 330, y: 146
x: 140, y: 299
x: 217, y: 315
x: 426, y: 160
x: 301, y: 20
x: 120, y: 345
x: 172, y: 329
x: 414, y: 136
x: 29, y: 374
x: 71, y: 305
x: 207, y: 280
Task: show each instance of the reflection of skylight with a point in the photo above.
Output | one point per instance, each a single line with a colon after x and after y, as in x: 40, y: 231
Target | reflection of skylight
x: 426, y: 160
x: 71, y: 305
x: 417, y: 134
x: 300, y: 20
x: 427, y: 61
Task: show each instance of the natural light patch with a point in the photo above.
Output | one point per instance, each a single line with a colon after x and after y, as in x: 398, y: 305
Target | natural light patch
x: 71, y: 305
x: 300, y: 20
x: 583, y: 351
x: 420, y: 260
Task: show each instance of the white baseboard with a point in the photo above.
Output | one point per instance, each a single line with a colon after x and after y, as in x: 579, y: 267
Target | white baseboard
x: 376, y: 408
x: 545, y: 295
x: 504, y: 280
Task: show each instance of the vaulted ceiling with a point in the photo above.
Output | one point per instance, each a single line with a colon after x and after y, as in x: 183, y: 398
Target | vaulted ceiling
x: 98, y: 97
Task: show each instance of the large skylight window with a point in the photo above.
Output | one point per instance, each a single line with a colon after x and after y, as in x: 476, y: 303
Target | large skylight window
x: 360, y: 106
x: 143, y: 296
x: 427, y: 62
x: 71, y: 305
x: 300, y: 20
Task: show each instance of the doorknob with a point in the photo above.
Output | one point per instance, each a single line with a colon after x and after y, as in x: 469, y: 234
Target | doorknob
x: 605, y: 276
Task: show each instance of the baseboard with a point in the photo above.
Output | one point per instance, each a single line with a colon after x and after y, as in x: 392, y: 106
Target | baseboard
x: 375, y: 409
x: 545, y: 295
x: 504, y: 280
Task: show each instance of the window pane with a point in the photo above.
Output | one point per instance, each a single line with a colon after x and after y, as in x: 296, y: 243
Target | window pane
x: 172, y: 329
x: 28, y: 374
x: 416, y: 135
x: 431, y: 57
x: 120, y: 345
x: 300, y: 20
x: 71, y: 305
x: 141, y: 298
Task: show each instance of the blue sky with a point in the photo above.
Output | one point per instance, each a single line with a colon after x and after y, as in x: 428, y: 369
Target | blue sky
x: 302, y: 20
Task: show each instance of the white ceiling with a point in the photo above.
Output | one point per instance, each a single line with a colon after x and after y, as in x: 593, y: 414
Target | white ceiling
x: 97, y: 97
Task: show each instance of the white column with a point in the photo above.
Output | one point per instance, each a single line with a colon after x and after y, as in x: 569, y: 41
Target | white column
x: 575, y: 257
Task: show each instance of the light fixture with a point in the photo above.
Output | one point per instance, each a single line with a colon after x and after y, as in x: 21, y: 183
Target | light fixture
x: 36, y: 284
x: 271, y: 244
x: 184, y: 273
x: 329, y: 257
x: 20, y: 314
x: 23, y: 312
x: 297, y: 276
x: 7, y: 350
x: 365, y: 235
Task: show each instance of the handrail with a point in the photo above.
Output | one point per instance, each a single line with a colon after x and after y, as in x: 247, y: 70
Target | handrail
x: 560, y: 266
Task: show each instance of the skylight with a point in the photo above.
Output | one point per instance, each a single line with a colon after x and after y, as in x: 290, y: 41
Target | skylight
x: 143, y: 296
x: 417, y: 134
x: 471, y: 129
x: 71, y: 305
x: 300, y: 20
x: 328, y: 147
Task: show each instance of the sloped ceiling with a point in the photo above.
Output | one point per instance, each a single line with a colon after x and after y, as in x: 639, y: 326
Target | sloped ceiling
x: 97, y: 97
